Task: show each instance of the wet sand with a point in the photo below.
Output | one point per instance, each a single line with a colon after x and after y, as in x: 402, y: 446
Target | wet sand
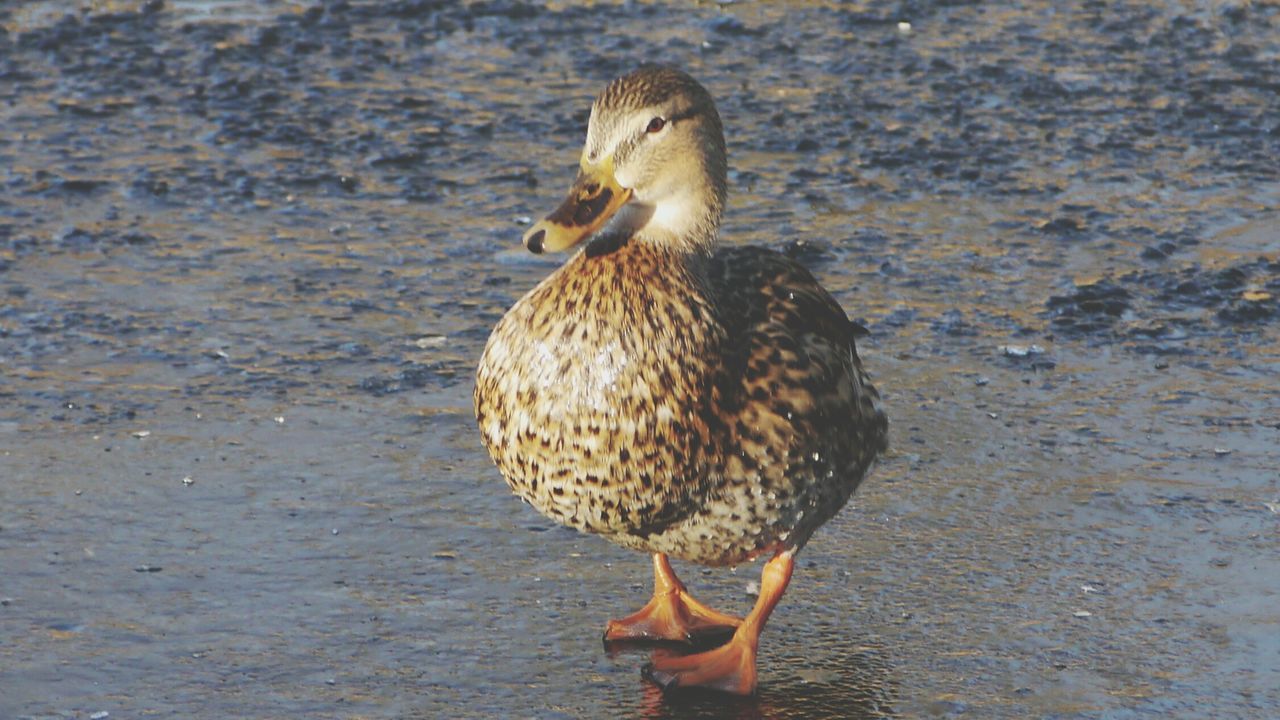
x: 250, y: 252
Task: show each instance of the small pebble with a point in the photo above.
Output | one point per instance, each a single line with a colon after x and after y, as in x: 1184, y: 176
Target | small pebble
x: 100, y: 715
x: 279, y: 419
x: 141, y: 433
x: 1021, y: 350
x: 904, y: 27
x: 1221, y: 451
x: 982, y: 380
x: 1082, y: 613
x: 187, y: 481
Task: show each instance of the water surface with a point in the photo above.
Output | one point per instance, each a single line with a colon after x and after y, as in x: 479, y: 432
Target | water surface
x: 250, y: 252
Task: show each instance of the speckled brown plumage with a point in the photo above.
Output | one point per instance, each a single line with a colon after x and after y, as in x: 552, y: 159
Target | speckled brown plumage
x: 707, y: 409
x: 702, y: 403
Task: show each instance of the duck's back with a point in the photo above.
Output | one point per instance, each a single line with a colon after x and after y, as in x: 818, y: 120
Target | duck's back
x: 806, y: 421
x: 794, y: 350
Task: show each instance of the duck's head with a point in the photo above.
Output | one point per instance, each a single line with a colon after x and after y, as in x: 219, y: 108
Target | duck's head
x: 653, y: 166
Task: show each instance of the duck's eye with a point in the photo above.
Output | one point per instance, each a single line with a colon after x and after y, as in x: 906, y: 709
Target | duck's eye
x: 655, y: 125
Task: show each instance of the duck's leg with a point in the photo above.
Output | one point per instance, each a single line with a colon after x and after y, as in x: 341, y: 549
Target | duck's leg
x: 672, y: 613
x: 732, y: 666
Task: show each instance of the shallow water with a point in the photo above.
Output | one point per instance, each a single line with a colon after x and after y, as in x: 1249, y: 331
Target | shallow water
x: 250, y: 251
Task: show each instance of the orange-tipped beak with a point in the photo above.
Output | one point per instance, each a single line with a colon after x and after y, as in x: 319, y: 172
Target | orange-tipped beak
x: 593, y: 199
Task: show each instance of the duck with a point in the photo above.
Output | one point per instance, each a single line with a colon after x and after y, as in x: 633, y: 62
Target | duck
x: 676, y: 395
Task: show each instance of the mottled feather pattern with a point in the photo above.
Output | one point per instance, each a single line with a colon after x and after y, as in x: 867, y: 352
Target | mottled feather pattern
x: 583, y: 393
x: 709, y: 408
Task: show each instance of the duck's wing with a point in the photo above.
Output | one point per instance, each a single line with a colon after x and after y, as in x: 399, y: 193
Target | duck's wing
x: 794, y: 384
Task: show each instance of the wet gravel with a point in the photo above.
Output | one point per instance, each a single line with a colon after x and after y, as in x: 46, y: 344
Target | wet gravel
x: 250, y: 251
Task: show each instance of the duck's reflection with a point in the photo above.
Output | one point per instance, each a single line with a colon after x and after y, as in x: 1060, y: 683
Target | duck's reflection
x: 829, y: 682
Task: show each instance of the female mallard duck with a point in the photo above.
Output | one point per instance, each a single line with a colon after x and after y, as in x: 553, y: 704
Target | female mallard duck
x: 691, y: 401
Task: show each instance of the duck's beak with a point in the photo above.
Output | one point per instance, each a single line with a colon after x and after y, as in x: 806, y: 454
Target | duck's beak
x: 593, y: 199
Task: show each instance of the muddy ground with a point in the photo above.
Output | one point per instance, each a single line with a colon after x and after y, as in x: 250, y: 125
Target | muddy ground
x: 250, y: 251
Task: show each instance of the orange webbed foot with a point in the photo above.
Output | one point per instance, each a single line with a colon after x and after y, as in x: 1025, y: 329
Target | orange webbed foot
x: 729, y: 668
x: 732, y: 666
x: 671, y: 615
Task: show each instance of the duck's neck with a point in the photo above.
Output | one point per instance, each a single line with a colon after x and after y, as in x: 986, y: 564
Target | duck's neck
x: 684, y: 223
